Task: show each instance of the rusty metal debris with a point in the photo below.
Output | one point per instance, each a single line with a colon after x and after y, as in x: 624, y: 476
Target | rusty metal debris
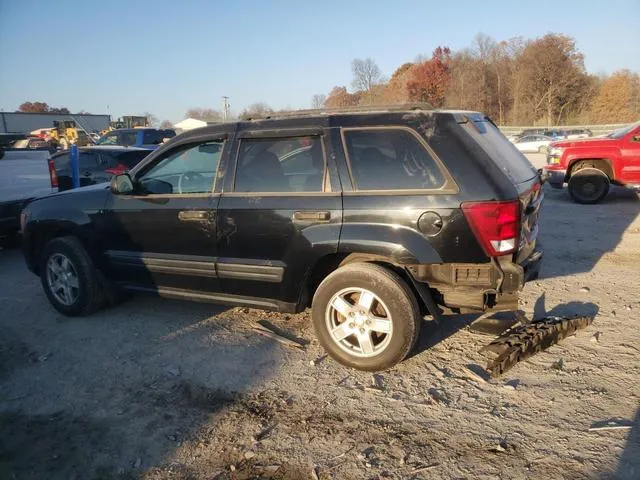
x: 523, y: 341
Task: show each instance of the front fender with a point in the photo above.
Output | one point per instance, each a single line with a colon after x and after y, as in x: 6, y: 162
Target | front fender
x: 403, y: 245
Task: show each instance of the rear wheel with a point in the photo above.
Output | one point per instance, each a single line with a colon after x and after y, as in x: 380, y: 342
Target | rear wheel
x: 588, y: 185
x: 365, y: 316
x: 542, y: 149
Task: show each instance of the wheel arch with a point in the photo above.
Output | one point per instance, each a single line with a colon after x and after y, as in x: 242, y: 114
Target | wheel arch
x: 603, y: 164
x: 331, y: 262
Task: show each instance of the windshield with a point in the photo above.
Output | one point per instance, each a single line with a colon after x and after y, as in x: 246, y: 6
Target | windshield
x: 109, y: 139
x: 621, y: 132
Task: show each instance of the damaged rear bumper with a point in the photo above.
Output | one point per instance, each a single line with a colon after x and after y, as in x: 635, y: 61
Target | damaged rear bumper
x: 479, y: 287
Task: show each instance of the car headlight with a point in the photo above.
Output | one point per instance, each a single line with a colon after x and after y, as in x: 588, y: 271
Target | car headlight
x: 555, y: 151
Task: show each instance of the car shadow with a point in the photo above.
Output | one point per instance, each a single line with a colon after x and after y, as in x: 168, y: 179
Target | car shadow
x: 629, y: 464
x: 575, y: 237
x: 118, y: 393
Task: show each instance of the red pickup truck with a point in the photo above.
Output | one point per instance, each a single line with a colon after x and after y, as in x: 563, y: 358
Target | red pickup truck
x: 589, y: 166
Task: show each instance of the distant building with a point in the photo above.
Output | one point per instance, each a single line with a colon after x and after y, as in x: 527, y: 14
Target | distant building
x: 20, y: 122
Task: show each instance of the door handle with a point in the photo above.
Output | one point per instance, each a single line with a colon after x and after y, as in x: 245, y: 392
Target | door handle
x: 193, y: 215
x: 312, y: 216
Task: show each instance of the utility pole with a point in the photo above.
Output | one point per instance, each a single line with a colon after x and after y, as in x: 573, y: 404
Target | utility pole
x: 226, y: 108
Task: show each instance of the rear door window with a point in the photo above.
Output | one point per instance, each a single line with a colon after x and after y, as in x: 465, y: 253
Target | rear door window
x: 294, y: 164
x: 391, y: 159
x: 503, y: 153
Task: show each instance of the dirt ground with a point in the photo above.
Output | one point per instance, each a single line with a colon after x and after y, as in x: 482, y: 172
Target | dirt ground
x: 157, y: 389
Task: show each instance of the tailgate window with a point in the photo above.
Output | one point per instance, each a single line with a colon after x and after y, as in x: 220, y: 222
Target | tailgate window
x: 503, y: 153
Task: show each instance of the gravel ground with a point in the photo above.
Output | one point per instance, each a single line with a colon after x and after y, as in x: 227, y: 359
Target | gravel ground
x: 165, y: 389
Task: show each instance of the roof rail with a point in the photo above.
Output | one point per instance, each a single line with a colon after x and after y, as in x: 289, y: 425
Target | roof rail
x: 317, y: 112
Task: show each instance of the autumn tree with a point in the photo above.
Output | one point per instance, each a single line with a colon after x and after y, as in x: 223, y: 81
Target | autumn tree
x: 317, y: 101
x: 41, y: 107
x: 552, y: 73
x: 618, y: 98
x: 366, y: 77
x: 339, y: 97
x: 204, y: 114
x: 395, y: 90
x: 429, y: 79
x: 256, y: 110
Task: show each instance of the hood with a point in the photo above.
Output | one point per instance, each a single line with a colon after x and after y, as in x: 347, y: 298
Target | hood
x: 586, y: 142
x: 78, y: 191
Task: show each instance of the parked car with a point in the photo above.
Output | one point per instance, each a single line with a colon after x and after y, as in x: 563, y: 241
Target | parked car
x: 533, y: 143
x: 32, y: 143
x: 96, y: 164
x: 555, y: 134
x: 137, y: 137
x: 23, y: 176
x: 579, y: 133
x: 374, y: 219
x: 589, y: 166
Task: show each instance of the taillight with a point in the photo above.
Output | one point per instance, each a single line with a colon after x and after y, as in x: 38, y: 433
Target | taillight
x: 495, y: 224
x: 117, y: 170
x: 52, y: 174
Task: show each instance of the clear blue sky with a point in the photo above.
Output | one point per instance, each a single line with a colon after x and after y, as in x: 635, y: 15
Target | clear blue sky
x: 165, y: 57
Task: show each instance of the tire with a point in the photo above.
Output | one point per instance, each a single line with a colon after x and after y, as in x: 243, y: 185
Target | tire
x: 542, y: 149
x: 67, y: 255
x: 588, y: 185
x: 392, y: 298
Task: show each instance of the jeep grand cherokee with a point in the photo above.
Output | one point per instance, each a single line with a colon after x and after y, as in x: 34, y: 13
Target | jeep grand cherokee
x: 373, y: 218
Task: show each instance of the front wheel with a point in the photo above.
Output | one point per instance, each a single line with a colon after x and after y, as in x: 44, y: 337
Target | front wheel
x: 69, y: 278
x: 366, y: 316
x: 588, y: 185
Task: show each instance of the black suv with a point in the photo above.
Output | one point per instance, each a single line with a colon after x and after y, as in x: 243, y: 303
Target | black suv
x: 374, y: 219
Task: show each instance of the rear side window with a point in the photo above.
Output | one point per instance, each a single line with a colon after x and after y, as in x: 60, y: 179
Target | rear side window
x: 128, y: 159
x: 503, y: 153
x: 294, y: 164
x: 391, y: 159
x: 88, y: 161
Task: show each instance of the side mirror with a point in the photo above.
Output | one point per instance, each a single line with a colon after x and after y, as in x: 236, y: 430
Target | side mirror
x: 122, y: 184
x: 635, y: 138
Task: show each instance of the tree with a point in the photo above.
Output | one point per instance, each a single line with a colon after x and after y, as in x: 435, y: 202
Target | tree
x: 552, y: 75
x: 204, y: 114
x: 317, y: 101
x: 618, y: 98
x: 366, y: 76
x: 64, y: 110
x: 340, y: 98
x: 41, y: 107
x: 152, y: 120
x: 166, y: 124
x: 396, y: 90
x: 256, y: 110
x: 430, y: 79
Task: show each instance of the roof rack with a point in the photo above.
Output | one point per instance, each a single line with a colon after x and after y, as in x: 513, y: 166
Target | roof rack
x: 317, y: 112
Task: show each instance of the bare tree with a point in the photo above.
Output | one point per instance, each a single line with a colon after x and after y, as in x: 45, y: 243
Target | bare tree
x: 256, y: 110
x: 152, y: 120
x: 366, y: 76
x: 204, y: 114
x: 166, y: 124
x: 317, y: 101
